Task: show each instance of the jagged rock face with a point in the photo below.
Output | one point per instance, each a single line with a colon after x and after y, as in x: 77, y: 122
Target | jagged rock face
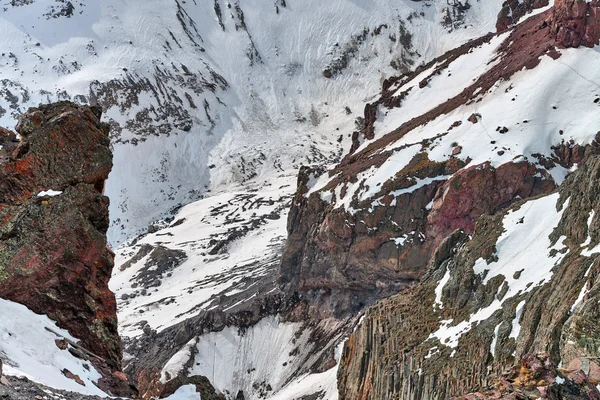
x: 479, y: 308
x: 346, y: 257
x: 347, y: 261
x: 513, y: 10
x: 577, y: 22
x: 480, y: 190
x: 53, y: 253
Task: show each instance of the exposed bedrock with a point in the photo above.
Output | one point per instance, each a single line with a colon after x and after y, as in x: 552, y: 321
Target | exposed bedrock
x: 513, y: 10
x: 343, y: 258
x: 465, y: 323
x: 577, y: 23
x: 346, y: 260
x: 54, y: 257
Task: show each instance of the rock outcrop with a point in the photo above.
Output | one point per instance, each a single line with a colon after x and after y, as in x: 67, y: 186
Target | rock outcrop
x: 471, y: 317
x: 513, y: 10
x: 343, y: 258
x: 54, y: 257
x: 537, y: 377
x: 577, y: 23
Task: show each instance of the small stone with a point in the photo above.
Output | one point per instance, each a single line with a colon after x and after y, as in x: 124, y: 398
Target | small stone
x: 61, y: 344
x: 120, y: 376
x: 72, y: 376
x: 474, y: 118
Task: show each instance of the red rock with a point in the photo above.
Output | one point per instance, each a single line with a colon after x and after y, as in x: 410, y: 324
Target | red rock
x: 120, y: 376
x: 474, y: 118
x: 61, y: 344
x: 481, y: 189
x: 577, y: 23
x: 54, y: 257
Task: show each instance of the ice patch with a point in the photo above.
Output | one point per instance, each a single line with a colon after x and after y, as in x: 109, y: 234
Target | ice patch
x: 187, y: 392
x: 516, y: 325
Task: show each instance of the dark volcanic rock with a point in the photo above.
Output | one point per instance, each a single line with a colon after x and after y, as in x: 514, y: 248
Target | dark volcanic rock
x: 53, y: 253
x: 513, y: 10
x: 341, y: 260
x: 346, y: 261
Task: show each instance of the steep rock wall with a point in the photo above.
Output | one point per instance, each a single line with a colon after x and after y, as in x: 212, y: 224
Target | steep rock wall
x: 457, y: 330
x: 54, y: 257
x: 343, y: 258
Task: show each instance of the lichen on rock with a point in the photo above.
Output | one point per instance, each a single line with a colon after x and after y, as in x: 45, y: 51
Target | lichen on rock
x: 54, y: 257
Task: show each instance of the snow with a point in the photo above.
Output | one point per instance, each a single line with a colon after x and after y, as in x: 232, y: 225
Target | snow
x: 440, y: 288
x: 589, y: 224
x: 525, y: 238
x: 528, y: 104
x: 273, y: 116
x: 582, y: 293
x: 450, y: 83
x: 197, y: 283
x: 516, y: 325
x: 400, y: 240
x: 260, y: 123
x: 187, y: 392
x: 584, y: 290
x: 28, y: 349
x: 495, y: 340
x: 175, y: 365
x: 49, y: 193
x: 269, y: 353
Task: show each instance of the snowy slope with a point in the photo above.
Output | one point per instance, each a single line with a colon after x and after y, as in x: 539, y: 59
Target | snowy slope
x: 525, y: 238
x: 212, y: 82
x: 271, y: 360
x: 27, y: 348
x: 214, y: 106
x: 552, y: 103
x: 230, y: 242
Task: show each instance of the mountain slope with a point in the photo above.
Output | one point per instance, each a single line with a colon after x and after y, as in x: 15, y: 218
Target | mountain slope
x: 215, y: 106
x: 237, y: 86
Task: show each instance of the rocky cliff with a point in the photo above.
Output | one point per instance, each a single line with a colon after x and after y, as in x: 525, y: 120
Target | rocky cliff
x: 54, y: 257
x: 366, y: 228
x: 449, y: 196
x: 577, y: 23
x: 525, y: 282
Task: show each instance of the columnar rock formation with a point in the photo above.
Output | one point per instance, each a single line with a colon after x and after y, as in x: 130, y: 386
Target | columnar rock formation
x: 54, y: 257
x: 395, y: 352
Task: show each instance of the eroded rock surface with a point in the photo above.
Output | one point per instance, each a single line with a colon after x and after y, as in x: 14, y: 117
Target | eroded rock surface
x: 345, y: 258
x: 537, y: 377
x: 577, y: 23
x: 54, y: 257
x: 471, y: 317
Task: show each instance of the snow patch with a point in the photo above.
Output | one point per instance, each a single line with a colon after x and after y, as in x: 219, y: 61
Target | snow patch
x: 28, y: 349
x: 49, y: 193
